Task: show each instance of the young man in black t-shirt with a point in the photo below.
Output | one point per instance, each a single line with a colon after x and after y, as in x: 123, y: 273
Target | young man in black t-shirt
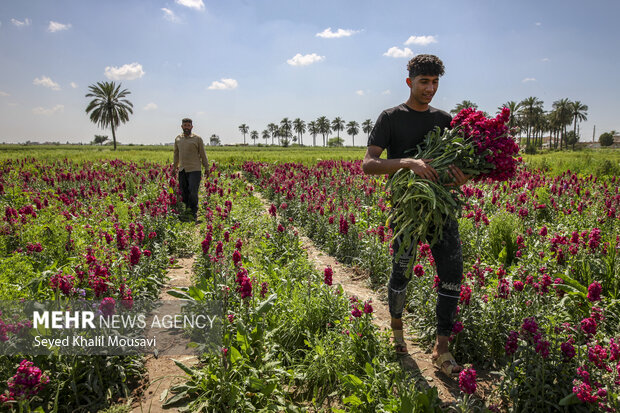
x: 399, y: 130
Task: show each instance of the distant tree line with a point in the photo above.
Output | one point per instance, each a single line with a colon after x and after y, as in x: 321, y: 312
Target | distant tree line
x: 286, y: 131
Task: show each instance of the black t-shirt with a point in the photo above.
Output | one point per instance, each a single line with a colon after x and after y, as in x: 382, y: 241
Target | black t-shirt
x: 401, y: 128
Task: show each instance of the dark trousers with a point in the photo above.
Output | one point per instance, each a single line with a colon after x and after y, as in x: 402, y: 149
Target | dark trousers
x: 448, y: 257
x: 190, y: 183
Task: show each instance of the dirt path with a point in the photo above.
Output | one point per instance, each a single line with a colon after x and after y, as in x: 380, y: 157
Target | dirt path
x: 354, y: 282
x: 162, y: 373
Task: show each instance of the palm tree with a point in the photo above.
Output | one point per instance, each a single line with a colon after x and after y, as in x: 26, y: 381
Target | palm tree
x: 314, y: 130
x: 530, y: 105
x: 266, y: 135
x: 300, y: 128
x: 109, y: 106
x: 285, y: 128
x: 337, y: 125
x: 243, y: 128
x: 564, y: 113
x: 463, y: 105
x: 353, y: 128
x: 514, y: 108
x: 367, y: 126
x: 324, y: 127
x: 254, y: 136
x: 580, y: 113
x: 272, y: 127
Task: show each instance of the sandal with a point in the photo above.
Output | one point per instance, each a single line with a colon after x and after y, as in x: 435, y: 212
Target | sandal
x: 400, y: 347
x: 447, y: 369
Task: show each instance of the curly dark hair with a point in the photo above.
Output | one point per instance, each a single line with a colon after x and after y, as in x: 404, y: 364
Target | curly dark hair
x: 425, y: 64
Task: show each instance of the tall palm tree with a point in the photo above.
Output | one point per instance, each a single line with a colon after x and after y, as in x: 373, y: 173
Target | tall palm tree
x: 463, y: 105
x: 353, y: 128
x: 530, y: 106
x: 324, y: 127
x: 514, y: 108
x: 109, y: 108
x: 564, y: 114
x: 338, y: 125
x: 285, y: 128
x: 313, y: 130
x: 272, y: 127
x: 300, y: 128
x: 580, y: 113
x: 266, y: 135
x: 254, y: 136
x: 367, y: 126
x: 243, y: 128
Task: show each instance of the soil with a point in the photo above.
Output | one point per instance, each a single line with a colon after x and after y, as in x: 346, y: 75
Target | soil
x: 162, y: 372
x: 354, y: 281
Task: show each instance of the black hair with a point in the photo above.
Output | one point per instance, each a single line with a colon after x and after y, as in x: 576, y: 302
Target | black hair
x: 186, y: 120
x: 425, y: 64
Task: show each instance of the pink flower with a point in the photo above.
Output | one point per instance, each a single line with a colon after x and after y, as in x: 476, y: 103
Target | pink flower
x: 512, y: 343
x: 568, y: 350
x: 517, y: 285
x: 457, y: 327
x: 107, y: 306
x: 264, y: 288
x: 368, y: 307
x: 542, y: 348
x: 418, y: 270
x: 356, y: 312
x: 134, y: 256
x: 231, y: 318
x: 27, y: 381
x: 327, y: 275
x: 465, y: 294
x: 584, y: 393
x: 588, y: 326
x: 467, y: 381
x: 236, y: 258
x: 594, y: 291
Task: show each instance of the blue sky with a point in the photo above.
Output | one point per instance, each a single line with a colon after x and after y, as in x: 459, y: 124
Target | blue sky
x: 229, y: 62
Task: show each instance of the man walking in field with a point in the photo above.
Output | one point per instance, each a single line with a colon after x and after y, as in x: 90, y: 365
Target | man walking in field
x: 400, y: 129
x: 189, y: 158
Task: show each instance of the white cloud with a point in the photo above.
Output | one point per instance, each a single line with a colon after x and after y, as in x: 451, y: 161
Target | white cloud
x: 396, y: 52
x: 46, y: 82
x: 170, y: 16
x: 3, y: 93
x: 328, y: 34
x: 305, y: 60
x: 545, y: 59
x: 359, y: 92
x: 538, y: 24
x: 57, y: 27
x: 223, y: 84
x: 19, y: 23
x: 420, y: 40
x: 529, y: 79
x: 386, y: 92
x: 150, y: 106
x: 125, y: 72
x: 39, y: 110
x: 74, y: 85
x: 192, y: 4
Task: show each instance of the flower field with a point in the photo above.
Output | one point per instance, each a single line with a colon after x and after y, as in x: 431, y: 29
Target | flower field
x: 538, y: 321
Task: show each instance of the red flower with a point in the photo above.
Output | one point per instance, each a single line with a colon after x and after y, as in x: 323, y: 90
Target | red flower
x: 327, y: 275
x: 467, y: 381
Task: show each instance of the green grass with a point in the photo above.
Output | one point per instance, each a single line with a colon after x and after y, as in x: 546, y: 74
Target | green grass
x: 598, y: 162
x: 163, y: 154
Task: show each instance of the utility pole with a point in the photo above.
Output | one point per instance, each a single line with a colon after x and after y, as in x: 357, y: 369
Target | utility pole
x: 593, y: 133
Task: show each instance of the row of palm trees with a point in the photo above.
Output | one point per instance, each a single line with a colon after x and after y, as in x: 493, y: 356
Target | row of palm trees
x: 110, y: 107
x: 530, y: 118
x: 287, y: 131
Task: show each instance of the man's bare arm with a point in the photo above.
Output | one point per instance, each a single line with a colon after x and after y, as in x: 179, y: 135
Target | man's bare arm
x: 374, y: 165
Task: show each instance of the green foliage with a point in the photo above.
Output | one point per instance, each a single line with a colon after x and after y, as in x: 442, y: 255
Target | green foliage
x: 606, y: 139
x: 502, y: 237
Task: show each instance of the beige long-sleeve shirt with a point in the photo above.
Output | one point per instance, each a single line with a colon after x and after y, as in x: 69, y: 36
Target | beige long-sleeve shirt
x: 189, y: 153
